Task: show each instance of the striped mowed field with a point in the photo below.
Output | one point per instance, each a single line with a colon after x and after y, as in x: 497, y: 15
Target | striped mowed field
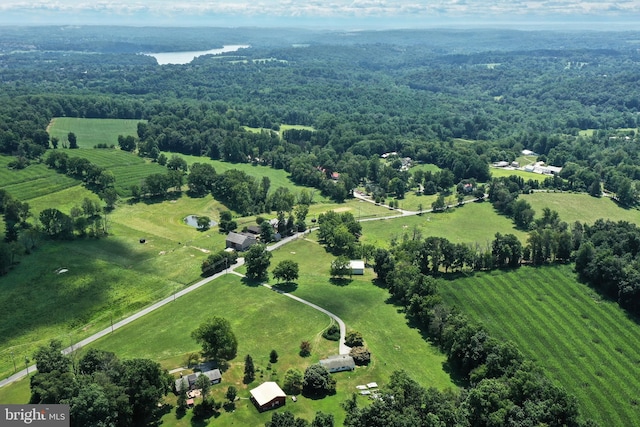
x: 587, y: 344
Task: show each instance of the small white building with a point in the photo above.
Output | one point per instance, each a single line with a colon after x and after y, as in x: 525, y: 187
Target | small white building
x: 357, y: 267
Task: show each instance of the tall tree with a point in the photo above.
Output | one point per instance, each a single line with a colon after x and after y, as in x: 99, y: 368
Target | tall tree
x: 249, y: 369
x: 257, y: 260
x: 217, y: 339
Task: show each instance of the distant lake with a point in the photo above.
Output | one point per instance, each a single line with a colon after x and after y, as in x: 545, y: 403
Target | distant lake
x: 164, y: 58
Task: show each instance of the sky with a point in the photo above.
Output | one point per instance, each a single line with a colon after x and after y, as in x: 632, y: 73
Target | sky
x: 324, y: 13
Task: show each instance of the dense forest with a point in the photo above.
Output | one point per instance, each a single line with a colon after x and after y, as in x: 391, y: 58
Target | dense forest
x: 416, y: 93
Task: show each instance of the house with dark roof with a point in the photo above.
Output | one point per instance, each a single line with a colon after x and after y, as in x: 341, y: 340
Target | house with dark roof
x: 190, y: 380
x: 240, y: 241
x: 268, y: 395
x: 338, y: 363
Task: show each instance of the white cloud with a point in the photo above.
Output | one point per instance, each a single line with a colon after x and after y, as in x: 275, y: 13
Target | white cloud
x: 333, y: 8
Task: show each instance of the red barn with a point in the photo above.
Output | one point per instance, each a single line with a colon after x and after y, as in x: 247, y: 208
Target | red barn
x: 267, y: 396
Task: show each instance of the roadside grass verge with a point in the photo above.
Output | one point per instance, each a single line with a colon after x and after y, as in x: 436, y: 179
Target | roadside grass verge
x: 473, y: 223
x: 587, y: 345
x: 90, y: 132
x: 581, y: 207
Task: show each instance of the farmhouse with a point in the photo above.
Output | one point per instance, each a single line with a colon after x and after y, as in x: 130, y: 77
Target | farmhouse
x: 340, y: 362
x: 357, y: 267
x: 190, y: 380
x: 268, y: 395
x: 240, y: 241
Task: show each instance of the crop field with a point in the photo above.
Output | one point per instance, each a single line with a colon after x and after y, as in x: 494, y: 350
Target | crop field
x: 586, y: 344
x: 41, y: 186
x: 581, y: 207
x: 474, y: 223
x: 90, y: 132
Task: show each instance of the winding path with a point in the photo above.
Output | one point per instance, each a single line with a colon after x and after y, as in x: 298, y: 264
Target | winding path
x: 344, y: 349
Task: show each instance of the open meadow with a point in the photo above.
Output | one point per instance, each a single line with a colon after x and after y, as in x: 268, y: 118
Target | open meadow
x: 504, y: 172
x: 91, y: 132
x: 587, y: 344
x: 264, y: 320
x: 572, y: 207
x: 473, y: 223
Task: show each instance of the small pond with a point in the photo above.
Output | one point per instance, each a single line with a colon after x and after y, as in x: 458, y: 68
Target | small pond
x: 192, y: 221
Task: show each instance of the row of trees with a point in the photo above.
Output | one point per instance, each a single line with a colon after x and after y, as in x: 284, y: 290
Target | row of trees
x: 503, y: 387
x: 608, y: 258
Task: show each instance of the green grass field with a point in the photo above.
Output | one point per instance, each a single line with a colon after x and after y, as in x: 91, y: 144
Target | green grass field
x: 502, y: 172
x: 581, y: 207
x: 264, y: 320
x: 586, y: 344
x: 90, y: 132
x: 471, y: 223
x: 282, y: 323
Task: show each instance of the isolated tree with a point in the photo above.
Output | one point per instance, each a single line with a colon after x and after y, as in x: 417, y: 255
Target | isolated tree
x: 439, y: 204
x: 217, y: 339
x: 249, y: 369
x: 73, y: 141
x: 273, y: 356
x: 340, y: 267
x: 305, y: 348
x: 231, y: 394
x: 203, y: 222
x: 286, y: 270
x: 126, y: 143
x: 257, y: 260
x: 293, y: 380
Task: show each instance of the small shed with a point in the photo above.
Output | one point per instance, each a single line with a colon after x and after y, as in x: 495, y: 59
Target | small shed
x: 357, y: 267
x: 268, y: 395
x: 240, y: 241
x: 338, y: 363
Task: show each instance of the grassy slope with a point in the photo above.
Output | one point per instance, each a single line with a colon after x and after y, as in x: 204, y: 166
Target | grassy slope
x: 587, y: 345
x: 581, y: 207
x: 471, y: 223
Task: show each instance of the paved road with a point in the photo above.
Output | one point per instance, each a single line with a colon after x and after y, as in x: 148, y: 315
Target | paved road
x: 343, y: 348
x: 20, y: 374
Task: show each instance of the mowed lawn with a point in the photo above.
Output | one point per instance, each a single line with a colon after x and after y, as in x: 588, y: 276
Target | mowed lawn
x: 581, y: 207
x: 264, y: 320
x: 111, y: 276
x: 91, y: 132
x: 473, y: 223
x: 586, y: 344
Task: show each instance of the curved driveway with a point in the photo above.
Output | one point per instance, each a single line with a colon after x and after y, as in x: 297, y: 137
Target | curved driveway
x: 344, y: 349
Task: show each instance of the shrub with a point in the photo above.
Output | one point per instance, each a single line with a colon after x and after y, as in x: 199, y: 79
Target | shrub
x: 353, y: 339
x: 361, y: 355
x: 332, y: 333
